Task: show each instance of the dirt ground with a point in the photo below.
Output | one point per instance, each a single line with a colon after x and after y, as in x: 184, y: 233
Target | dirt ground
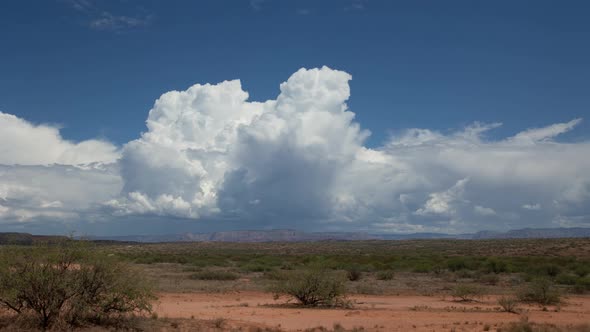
x: 373, y: 313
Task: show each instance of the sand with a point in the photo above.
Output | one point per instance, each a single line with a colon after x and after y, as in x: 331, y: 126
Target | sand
x: 374, y: 313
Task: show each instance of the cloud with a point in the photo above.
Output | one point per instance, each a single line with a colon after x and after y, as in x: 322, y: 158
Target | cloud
x: 256, y: 4
x: 28, y: 144
x: 108, y: 21
x: 60, y: 193
x: 443, y: 203
x: 531, y: 206
x: 98, y: 18
x: 545, y: 133
x: 210, y: 155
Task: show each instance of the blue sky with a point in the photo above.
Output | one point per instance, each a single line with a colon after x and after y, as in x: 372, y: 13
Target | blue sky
x: 478, y: 113
x: 434, y: 64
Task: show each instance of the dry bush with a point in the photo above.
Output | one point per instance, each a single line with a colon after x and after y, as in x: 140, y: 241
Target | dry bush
x: 68, y: 284
x: 466, y: 292
x: 313, y: 287
x: 509, y: 304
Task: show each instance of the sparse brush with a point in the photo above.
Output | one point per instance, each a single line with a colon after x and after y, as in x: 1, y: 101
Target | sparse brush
x: 354, y: 274
x: 509, y: 304
x: 540, y: 291
x: 467, y: 292
x: 214, y: 275
x: 385, y: 275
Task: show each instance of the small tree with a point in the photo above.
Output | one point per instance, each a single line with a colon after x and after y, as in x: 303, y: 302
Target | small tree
x: 313, y: 287
x: 466, y: 292
x: 541, y: 291
x: 68, y: 282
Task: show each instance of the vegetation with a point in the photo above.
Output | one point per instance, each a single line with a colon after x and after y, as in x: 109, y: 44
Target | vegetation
x: 313, y: 287
x: 467, y: 292
x: 508, y: 304
x: 214, y: 275
x: 385, y: 275
x: 541, y: 291
x: 69, y: 284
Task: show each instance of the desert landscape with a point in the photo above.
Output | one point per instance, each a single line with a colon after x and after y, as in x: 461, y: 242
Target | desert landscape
x: 407, y: 285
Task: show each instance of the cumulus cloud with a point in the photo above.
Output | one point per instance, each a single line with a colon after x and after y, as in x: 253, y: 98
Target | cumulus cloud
x: 24, y: 143
x: 300, y: 161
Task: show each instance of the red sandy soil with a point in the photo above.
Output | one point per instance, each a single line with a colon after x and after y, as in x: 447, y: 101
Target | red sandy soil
x: 374, y: 313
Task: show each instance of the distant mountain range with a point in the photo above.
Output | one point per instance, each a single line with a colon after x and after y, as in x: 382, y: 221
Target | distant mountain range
x: 287, y: 235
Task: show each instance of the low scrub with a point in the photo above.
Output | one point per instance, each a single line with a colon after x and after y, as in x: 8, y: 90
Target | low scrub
x: 540, y: 291
x: 354, y: 274
x: 384, y: 275
x: 69, y: 285
x: 313, y: 287
x: 215, y: 275
x: 467, y: 292
x: 508, y: 304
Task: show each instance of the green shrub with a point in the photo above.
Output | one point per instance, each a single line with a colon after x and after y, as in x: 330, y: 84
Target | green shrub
x: 582, y: 285
x: 71, y: 284
x: 214, y: 275
x: 494, y: 265
x: 313, y: 287
x: 456, y: 264
x: 582, y: 270
x: 467, y: 292
x: 566, y: 279
x: 385, y: 275
x: 541, y: 291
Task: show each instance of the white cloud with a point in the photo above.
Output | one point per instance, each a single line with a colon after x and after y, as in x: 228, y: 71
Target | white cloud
x: 531, y: 206
x: 26, y: 144
x: 111, y: 22
x: 545, y: 133
x: 444, y: 202
x: 298, y: 161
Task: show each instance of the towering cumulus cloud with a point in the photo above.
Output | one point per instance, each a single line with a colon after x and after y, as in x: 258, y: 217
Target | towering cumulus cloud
x: 297, y: 161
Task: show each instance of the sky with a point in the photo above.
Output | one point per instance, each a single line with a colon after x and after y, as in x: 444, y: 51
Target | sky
x: 149, y: 117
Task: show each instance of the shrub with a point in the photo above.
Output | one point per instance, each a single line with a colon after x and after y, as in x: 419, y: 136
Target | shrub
x: 313, y: 287
x: 466, y: 292
x: 508, y: 304
x: 494, y: 265
x: 541, y: 291
x: 456, y: 264
x: 489, y: 279
x: 69, y: 283
x: 566, y: 279
x: 214, y: 275
x: 385, y: 275
x: 354, y: 274
x: 582, y: 285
